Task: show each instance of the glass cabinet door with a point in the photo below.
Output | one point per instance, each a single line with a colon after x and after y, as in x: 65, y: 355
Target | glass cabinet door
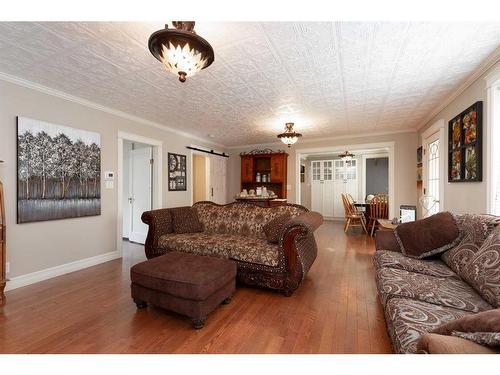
x: 328, y: 170
x: 316, y: 171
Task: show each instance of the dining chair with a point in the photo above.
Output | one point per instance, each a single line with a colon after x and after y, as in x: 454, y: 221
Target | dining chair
x: 353, y: 217
x: 379, y: 209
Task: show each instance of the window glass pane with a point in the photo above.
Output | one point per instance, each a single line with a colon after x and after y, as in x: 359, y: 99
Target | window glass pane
x: 433, y: 175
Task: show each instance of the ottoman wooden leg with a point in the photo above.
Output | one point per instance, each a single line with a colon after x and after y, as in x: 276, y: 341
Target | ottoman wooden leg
x: 227, y: 301
x: 140, y: 303
x: 199, y: 323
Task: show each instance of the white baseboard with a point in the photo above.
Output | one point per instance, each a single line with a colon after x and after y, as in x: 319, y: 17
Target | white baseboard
x: 331, y: 218
x: 48, y: 273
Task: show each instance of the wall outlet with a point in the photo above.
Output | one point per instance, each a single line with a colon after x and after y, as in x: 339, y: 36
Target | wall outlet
x: 7, y: 267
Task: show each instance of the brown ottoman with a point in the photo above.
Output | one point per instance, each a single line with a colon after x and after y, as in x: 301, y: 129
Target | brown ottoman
x: 187, y: 284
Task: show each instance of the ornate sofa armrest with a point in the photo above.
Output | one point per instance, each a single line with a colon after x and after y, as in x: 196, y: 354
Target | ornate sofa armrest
x: 299, y: 247
x: 160, y: 223
x: 386, y: 240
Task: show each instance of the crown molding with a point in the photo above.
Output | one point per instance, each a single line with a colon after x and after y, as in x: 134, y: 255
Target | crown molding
x: 313, y: 140
x: 87, y: 103
x: 491, y: 60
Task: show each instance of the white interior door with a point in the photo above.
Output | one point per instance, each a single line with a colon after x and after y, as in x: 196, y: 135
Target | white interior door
x: 345, y: 182
x: 141, y: 191
x: 433, y: 172
x: 328, y: 198
x: 351, y: 178
x: 217, y: 184
x: 316, y: 187
x: 338, y: 188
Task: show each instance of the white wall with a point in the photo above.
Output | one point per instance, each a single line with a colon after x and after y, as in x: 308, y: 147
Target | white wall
x: 465, y: 197
x: 37, y: 246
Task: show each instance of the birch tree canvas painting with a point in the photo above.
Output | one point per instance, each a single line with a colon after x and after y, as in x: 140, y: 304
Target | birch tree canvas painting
x: 58, y: 171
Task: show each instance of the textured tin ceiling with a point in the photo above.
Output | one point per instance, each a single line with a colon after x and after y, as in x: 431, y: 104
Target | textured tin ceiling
x: 330, y: 78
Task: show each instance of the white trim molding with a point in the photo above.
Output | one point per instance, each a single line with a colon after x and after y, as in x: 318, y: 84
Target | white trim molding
x: 364, y: 157
x: 87, y: 103
x: 48, y: 273
x: 157, y: 178
x: 389, y: 146
x: 437, y: 127
x: 492, y: 135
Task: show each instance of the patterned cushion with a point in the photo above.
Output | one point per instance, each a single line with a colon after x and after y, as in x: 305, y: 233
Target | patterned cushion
x: 274, y: 228
x: 432, y: 343
x: 483, y: 270
x: 483, y: 338
x: 245, y: 249
x: 409, y: 319
x: 386, y: 258
x: 241, y: 218
x: 445, y: 291
x: 474, y: 229
x: 185, y: 220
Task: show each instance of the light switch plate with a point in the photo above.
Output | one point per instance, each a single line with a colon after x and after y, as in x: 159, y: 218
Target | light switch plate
x: 110, y: 185
x: 109, y: 175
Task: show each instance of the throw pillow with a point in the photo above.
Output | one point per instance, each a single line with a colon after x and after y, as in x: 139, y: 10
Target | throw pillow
x: 483, y: 270
x: 482, y: 328
x: 474, y: 229
x: 430, y: 236
x: 274, y: 228
x: 185, y: 220
x: 432, y: 343
x: 386, y: 240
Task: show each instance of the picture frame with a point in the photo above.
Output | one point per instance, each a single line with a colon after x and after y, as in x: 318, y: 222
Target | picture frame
x: 465, y: 138
x: 58, y: 171
x: 419, y: 164
x: 177, y: 176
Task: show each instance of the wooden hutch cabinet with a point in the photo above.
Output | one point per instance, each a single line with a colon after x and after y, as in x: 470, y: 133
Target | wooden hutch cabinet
x: 272, y: 165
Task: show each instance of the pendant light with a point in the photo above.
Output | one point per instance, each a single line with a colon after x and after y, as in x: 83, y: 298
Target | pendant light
x: 289, y: 136
x: 180, y: 50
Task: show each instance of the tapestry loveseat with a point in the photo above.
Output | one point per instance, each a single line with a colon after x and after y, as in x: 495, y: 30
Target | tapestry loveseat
x: 422, y: 295
x: 237, y: 231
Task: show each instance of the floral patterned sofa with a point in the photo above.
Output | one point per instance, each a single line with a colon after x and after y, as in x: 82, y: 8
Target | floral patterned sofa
x: 236, y: 231
x: 419, y: 295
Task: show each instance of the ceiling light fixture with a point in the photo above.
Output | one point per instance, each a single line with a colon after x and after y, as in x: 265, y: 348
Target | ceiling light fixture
x: 181, y: 51
x: 289, y: 137
x: 346, y: 155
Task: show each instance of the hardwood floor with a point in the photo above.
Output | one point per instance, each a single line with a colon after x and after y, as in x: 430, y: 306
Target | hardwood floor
x: 335, y: 310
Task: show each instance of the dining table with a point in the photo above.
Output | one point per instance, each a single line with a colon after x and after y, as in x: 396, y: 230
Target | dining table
x: 365, y: 209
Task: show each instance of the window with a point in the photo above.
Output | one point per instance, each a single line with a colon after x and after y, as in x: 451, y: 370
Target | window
x: 433, y: 175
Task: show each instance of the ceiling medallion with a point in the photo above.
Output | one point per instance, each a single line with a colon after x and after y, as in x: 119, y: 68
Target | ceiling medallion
x: 180, y: 50
x: 289, y: 137
x: 346, y: 155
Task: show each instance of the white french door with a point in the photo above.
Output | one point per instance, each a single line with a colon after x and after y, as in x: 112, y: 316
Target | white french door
x: 316, y: 187
x: 433, y: 174
x: 329, y: 179
x: 140, y: 197
x: 346, y: 182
